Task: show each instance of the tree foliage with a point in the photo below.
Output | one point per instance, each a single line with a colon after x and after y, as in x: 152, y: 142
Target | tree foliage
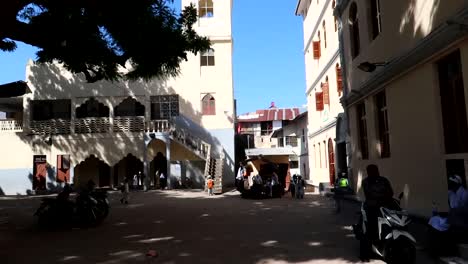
x: 95, y: 37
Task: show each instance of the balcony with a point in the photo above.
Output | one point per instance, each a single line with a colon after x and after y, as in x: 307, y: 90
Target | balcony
x: 92, y: 125
x: 129, y: 124
x: 11, y: 125
x: 155, y: 126
x: 51, y: 127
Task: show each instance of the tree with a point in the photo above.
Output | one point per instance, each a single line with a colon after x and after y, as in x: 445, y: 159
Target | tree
x: 95, y: 37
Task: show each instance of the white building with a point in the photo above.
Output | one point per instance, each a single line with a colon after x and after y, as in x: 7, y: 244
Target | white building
x: 70, y: 130
x: 327, y: 140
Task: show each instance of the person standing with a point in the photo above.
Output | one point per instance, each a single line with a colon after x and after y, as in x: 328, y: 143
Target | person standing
x: 210, y: 185
x: 125, y: 192
x: 240, y: 177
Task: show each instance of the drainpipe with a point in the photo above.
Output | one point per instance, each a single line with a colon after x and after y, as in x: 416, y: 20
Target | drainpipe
x: 344, y: 71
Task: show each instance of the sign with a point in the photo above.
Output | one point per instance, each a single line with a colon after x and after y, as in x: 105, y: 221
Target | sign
x: 40, y: 159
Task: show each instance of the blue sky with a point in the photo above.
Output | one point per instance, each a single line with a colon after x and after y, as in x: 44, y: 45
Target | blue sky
x: 268, y: 57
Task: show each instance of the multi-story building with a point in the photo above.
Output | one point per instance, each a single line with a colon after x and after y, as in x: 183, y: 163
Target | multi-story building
x: 406, y: 68
x: 294, y: 136
x: 68, y: 130
x: 327, y: 132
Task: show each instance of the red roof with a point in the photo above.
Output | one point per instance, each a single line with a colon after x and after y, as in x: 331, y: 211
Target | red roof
x: 272, y: 114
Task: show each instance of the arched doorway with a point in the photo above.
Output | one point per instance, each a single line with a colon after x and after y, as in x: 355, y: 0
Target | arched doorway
x: 93, y: 169
x: 128, y: 167
x: 331, y: 161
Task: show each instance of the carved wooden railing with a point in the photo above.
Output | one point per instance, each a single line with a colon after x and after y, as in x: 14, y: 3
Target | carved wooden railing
x: 11, y: 125
x: 92, y: 125
x: 197, y: 145
x: 51, y: 127
x: 158, y: 126
x: 129, y: 124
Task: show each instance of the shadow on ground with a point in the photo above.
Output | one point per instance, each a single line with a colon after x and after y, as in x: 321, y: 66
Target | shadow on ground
x: 190, y: 227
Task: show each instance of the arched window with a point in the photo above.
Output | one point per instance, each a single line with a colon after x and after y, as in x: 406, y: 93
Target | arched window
x: 129, y: 107
x: 324, y: 34
x: 92, y: 108
x: 208, y: 105
x: 354, y: 30
x: 205, y: 8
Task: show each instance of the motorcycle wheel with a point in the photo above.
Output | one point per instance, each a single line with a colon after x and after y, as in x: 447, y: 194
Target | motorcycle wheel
x: 400, y: 251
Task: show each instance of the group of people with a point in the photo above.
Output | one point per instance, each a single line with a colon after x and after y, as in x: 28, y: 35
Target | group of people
x: 446, y: 229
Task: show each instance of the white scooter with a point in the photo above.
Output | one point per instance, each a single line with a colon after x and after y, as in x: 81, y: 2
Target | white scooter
x: 394, y: 243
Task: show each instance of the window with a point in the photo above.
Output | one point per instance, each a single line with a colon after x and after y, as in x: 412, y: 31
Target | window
x: 205, y: 8
x: 382, y: 122
x: 294, y: 164
x: 50, y: 109
x: 325, y: 153
x: 164, y: 106
x: 316, y: 47
x: 290, y: 141
x: 92, y: 108
x: 320, y: 156
x: 207, y: 58
x: 324, y: 34
x: 208, y: 105
x: 453, y: 105
x: 319, y: 101
x: 315, y: 157
x: 354, y: 30
x: 376, y: 22
x: 339, y: 79
x: 266, y: 128
x: 303, y: 136
x: 326, y: 92
x: 334, y: 17
x: 129, y: 107
x: 362, y: 130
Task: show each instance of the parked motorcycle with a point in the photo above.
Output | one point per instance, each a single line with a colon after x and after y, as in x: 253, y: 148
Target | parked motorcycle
x: 89, y: 209
x: 394, y: 243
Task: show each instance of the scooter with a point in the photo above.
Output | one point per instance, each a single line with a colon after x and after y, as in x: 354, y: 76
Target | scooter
x: 394, y: 243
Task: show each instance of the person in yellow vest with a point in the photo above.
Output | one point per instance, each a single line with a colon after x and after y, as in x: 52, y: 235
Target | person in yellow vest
x: 210, y: 185
x: 341, y: 189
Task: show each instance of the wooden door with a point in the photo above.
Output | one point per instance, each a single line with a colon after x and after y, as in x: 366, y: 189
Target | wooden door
x: 39, y: 172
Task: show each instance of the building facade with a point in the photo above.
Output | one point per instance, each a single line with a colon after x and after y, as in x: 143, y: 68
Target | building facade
x: 406, y: 90
x: 68, y: 130
x: 324, y: 88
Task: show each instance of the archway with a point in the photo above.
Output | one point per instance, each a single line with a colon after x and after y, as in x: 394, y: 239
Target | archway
x: 93, y: 169
x: 154, y: 147
x: 128, y: 167
x: 331, y: 161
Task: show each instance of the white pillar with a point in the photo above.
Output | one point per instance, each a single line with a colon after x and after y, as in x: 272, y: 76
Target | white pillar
x: 168, y: 157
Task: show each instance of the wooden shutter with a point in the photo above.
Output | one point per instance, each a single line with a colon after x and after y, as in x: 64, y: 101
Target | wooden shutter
x: 326, y: 94
x: 319, y: 101
x: 316, y: 45
x: 339, y: 81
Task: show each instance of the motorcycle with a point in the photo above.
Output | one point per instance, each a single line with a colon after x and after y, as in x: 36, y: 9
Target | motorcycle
x: 89, y: 209
x: 394, y: 243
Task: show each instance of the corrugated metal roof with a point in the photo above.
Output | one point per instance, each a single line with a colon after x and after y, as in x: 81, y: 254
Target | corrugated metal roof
x: 272, y: 114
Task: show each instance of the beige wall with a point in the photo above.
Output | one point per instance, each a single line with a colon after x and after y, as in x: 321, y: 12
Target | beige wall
x: 404, y: 23
x: 317, y: 71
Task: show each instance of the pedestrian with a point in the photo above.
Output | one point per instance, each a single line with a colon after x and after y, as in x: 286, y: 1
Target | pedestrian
x: 162, y: 181
x: 125, y: 189
x: 300, y: 186
x: 210, y: 185
x: 240, y: 177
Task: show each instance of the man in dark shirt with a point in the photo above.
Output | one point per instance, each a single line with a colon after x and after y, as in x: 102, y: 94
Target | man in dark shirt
x: 378, y: 192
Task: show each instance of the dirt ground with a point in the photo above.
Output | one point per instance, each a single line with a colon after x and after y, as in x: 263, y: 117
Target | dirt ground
x: 189, y: 227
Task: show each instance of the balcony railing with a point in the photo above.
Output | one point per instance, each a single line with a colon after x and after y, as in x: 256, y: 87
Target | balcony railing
x: 196, y: 144
x: 155, y: 126
x: 11, y: 125
x: 92, y: 125
x: 52, y: 126
x: 129, y: 124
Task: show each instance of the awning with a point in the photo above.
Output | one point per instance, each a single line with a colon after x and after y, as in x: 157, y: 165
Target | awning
x: 14, y: 89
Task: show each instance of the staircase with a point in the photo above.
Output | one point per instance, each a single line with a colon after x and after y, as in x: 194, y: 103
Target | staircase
x: 202, y: 149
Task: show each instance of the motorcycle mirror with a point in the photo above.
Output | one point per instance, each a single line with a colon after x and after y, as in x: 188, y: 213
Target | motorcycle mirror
x: 401, y: 195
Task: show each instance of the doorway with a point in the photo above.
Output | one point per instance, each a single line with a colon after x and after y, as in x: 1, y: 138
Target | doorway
x: 39, y: 172
x: 331, y: 161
